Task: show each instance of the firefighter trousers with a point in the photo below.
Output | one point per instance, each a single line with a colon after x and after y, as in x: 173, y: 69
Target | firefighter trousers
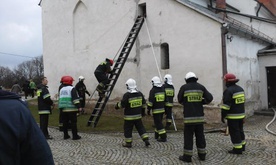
x: 168, y: 112
x: 189, y: 131
x: 159, y: 131
x: 67, y: 118
x: 44, y: 120
x: 236, y: 132
x: 128, y: 128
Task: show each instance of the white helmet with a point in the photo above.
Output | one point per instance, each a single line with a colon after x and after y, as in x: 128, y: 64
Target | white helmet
x: 156, y: 81
x: 168, y: 79
x: 81, y: 78
x: 131, y: 85
x: 190, y: 75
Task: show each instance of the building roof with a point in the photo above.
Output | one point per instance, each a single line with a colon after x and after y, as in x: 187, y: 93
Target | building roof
x: 270, y: 50
x: 232, y: 25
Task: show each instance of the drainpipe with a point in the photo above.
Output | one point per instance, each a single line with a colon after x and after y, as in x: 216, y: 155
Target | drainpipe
x: 224, y: 31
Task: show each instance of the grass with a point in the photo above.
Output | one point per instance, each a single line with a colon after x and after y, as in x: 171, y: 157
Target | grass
x: 111, y: 120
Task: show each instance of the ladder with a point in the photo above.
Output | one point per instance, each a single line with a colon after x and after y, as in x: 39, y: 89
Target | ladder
x: 113, y: 77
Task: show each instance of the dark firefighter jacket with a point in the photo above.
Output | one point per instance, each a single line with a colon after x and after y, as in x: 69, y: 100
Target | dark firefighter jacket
x: 192, y: 96
x: 157, y: 100
x: 21, y: 140
x: 44, y: 100
x: 104, y: 67
x: 134, y: 105
x: 169, y: 90
x: 233, y: 102
x: 81, y: 88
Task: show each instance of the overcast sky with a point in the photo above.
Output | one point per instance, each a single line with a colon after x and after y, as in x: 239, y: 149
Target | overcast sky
x: 20, y: 31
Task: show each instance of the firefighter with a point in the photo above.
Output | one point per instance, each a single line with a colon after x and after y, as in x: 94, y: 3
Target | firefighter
x: 81, y: 88
x: 192, y: 96
x: 70, y: 105
x: 101, y: 74
x: 134, y: 105
x: 156, y: 103
x: 45, y: 105
x: 169, y: 89
x: 232, y: 109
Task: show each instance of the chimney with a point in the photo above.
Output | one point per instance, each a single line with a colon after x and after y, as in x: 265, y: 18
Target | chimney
x: 221, y: 4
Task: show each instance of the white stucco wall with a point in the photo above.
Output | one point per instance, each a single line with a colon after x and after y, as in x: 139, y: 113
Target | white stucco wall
x: 243, y: 62
x: 194, y: 43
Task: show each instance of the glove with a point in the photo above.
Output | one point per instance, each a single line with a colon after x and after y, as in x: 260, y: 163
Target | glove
x: 223, y: 115
x: 117, y: 106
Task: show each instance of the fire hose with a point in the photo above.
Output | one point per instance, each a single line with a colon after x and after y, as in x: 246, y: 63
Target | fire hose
x: 266, y: 127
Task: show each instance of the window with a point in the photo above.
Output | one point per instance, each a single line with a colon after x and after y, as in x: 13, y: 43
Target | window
x: 142, y: 10
x: 165, y: 56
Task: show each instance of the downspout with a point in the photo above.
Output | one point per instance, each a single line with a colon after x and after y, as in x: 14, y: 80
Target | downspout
x: 223, y: 50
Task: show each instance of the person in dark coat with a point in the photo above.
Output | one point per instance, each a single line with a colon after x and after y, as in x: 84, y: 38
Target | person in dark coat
x: 101, y: 74
x: 233, y: 110
x: 81, y: 88
x: 156, y: 103
x: 134, y: 105
x: 45, y: 106
x: 21, y: 140
x: 26, y: 88
x: 193, y: 96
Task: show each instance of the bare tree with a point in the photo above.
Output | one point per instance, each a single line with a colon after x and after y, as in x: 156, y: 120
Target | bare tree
x: 32, y: 69
x: 6, y: 77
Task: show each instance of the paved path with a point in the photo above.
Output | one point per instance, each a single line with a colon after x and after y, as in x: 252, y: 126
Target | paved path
x: 106, y: 148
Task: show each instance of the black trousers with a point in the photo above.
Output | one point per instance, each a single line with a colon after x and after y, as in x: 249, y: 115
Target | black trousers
x: 168, y: 112
x: 189, y: 131
x: 44, y: 120
x: 236, y: 132
x: 159, y: 125
x: 128, y: 128
x: 101, y: 77
x: 70, y: 117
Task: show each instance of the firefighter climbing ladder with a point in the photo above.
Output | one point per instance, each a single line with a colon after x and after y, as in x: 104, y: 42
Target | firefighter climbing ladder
x: 113, y: 77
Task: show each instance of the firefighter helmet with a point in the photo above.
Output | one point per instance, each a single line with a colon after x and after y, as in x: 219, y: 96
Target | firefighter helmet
x: 156, y: 81
x: 111, y: 62
x: 190, y: 75
x: 168, y: 79
x: 131, y: 84
x: 68, y: 80
x: 81, y: 78
x: 230, y: 77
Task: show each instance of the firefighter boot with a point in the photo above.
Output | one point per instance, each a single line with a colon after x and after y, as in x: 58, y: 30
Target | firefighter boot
x: 163, y: 138
x: 243, y: 147
x: 156, y: 135
x: 127, y: 144
x: 147, y: 142
x: 66, y: 136
x: 235, y: 151
x: 185, y: 158
x: 202, y: 156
